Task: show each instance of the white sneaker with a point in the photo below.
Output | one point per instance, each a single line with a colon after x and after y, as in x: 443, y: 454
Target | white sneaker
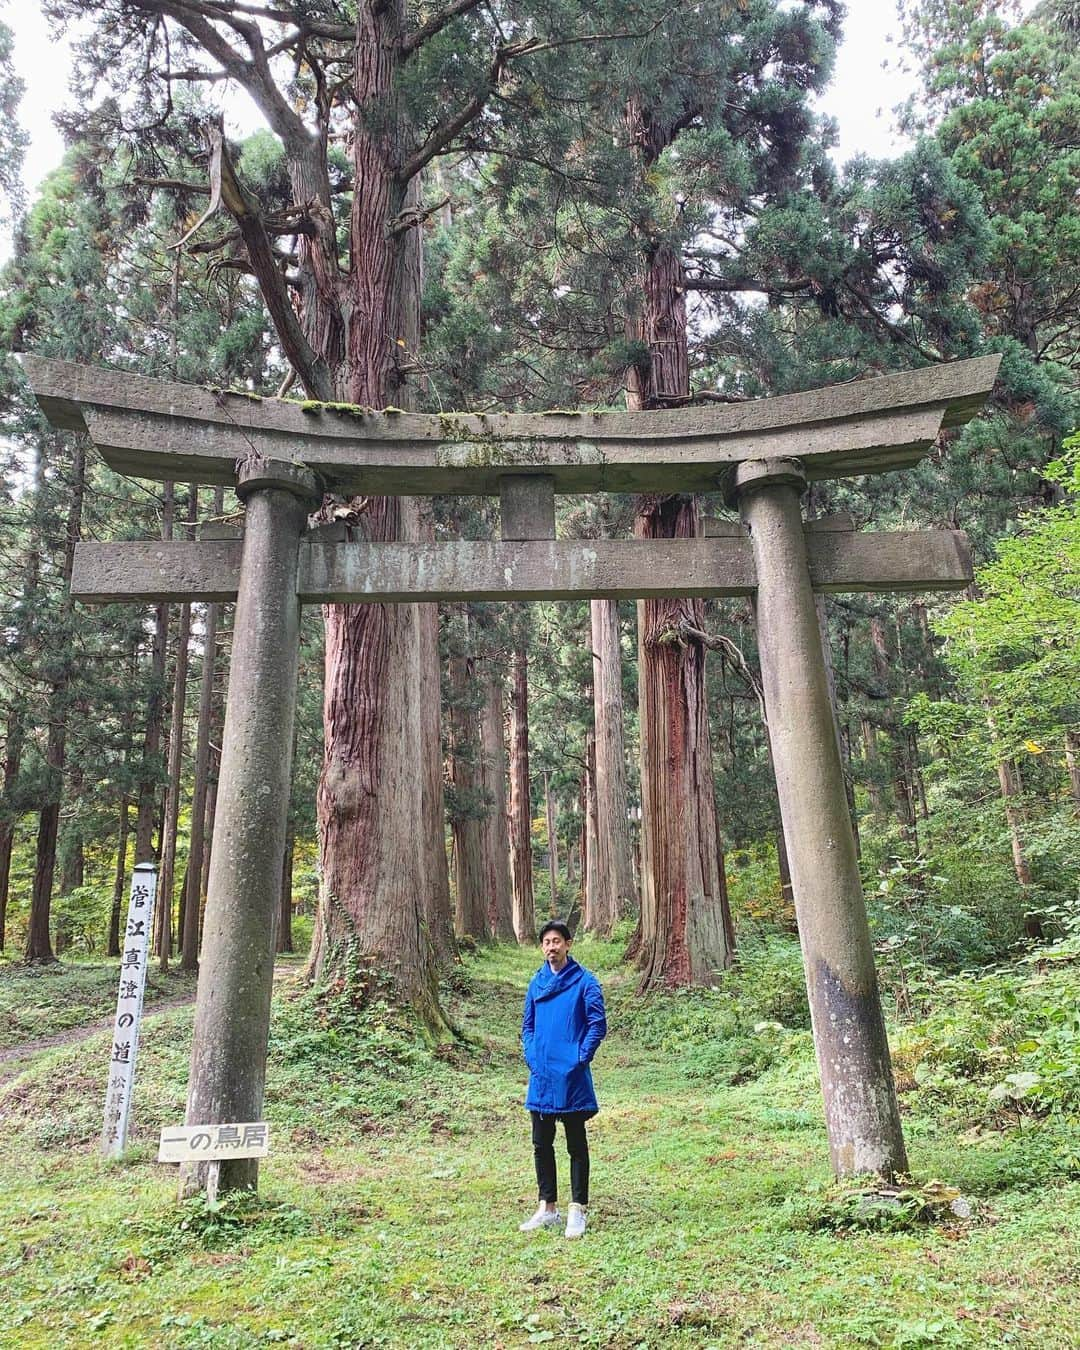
x: 575, y: 1221
x: 543, y: 1218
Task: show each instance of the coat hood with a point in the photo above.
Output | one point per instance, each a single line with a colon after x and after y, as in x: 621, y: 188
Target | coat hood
x: 549, y: 982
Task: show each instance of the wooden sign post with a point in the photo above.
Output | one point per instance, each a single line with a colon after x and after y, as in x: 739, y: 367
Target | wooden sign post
x: 135, y: 952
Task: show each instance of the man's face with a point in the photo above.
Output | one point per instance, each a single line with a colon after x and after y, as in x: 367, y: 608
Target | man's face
x: 555, y: 948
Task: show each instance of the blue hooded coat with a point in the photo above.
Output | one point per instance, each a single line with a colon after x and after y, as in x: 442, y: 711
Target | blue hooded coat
x: 563, y: 1025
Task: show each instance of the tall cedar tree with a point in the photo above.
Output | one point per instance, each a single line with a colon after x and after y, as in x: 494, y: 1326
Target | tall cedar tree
x: 690, y: 137
x: 339, y: 270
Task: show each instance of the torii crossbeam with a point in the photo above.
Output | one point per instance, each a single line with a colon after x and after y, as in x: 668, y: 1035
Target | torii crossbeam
x: 282, y: 456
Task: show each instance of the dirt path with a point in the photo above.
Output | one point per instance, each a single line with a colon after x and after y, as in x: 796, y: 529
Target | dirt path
x: 84, y: 1031
x: 15, y: 1058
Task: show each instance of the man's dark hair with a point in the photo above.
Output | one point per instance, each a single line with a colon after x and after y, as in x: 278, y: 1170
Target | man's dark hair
x: 556, y: 926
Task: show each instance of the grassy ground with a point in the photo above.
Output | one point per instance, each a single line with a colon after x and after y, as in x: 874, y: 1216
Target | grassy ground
x: 389, y: 1207
x: 42, y: 1001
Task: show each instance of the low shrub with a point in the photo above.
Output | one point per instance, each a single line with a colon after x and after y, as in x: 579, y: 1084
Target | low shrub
x: 1001, y: 1047
x: 741, y: 1027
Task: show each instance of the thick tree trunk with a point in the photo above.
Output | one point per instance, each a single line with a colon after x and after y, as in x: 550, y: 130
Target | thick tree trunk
x: 521, y: 863
x: 371, y: 800
x: 685, y: 930
x: 38, y: 945
x: 372, y: 894
x: 494, y: 834
x: 685, y: 924
x: 614, y: 872
x: 38, y: 942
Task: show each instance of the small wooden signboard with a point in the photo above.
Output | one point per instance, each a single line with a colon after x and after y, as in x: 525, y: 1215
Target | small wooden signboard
x: 214, y: 1143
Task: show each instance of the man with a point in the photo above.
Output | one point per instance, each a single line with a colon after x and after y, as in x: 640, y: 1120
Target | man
x: 561, y: 1029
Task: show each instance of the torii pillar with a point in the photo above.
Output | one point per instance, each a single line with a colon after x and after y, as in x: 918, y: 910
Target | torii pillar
x: 236, y: 972
x: 861, y: 1112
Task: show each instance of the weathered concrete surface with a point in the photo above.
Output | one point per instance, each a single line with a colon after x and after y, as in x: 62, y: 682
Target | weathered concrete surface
x: 563, y: 569
x: 527, y: 507
x: 151, y: 428
x: 232, y: 1006
x: 849, y: 1031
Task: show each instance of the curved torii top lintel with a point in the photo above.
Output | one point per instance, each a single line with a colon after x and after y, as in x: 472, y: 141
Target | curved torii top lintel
x: 156, y: 429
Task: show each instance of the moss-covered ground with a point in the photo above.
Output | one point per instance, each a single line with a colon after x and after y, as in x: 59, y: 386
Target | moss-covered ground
x: 388, y: 1210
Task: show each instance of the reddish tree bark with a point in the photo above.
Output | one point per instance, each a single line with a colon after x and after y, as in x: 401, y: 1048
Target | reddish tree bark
x: 616, y: 894
x: 685, y: 926
x: 365, y: 328
x: 684, y: 904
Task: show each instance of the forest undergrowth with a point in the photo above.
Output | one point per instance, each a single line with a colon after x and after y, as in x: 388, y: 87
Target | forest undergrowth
x: 388, y: 1209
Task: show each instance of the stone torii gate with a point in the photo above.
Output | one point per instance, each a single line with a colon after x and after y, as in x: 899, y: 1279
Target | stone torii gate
x: 281, y: 457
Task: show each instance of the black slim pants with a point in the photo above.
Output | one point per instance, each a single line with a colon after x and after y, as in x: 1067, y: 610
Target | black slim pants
x: 577, y: 1145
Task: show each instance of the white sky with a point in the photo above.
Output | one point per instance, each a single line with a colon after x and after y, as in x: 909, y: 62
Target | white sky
x: 861, y: 97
